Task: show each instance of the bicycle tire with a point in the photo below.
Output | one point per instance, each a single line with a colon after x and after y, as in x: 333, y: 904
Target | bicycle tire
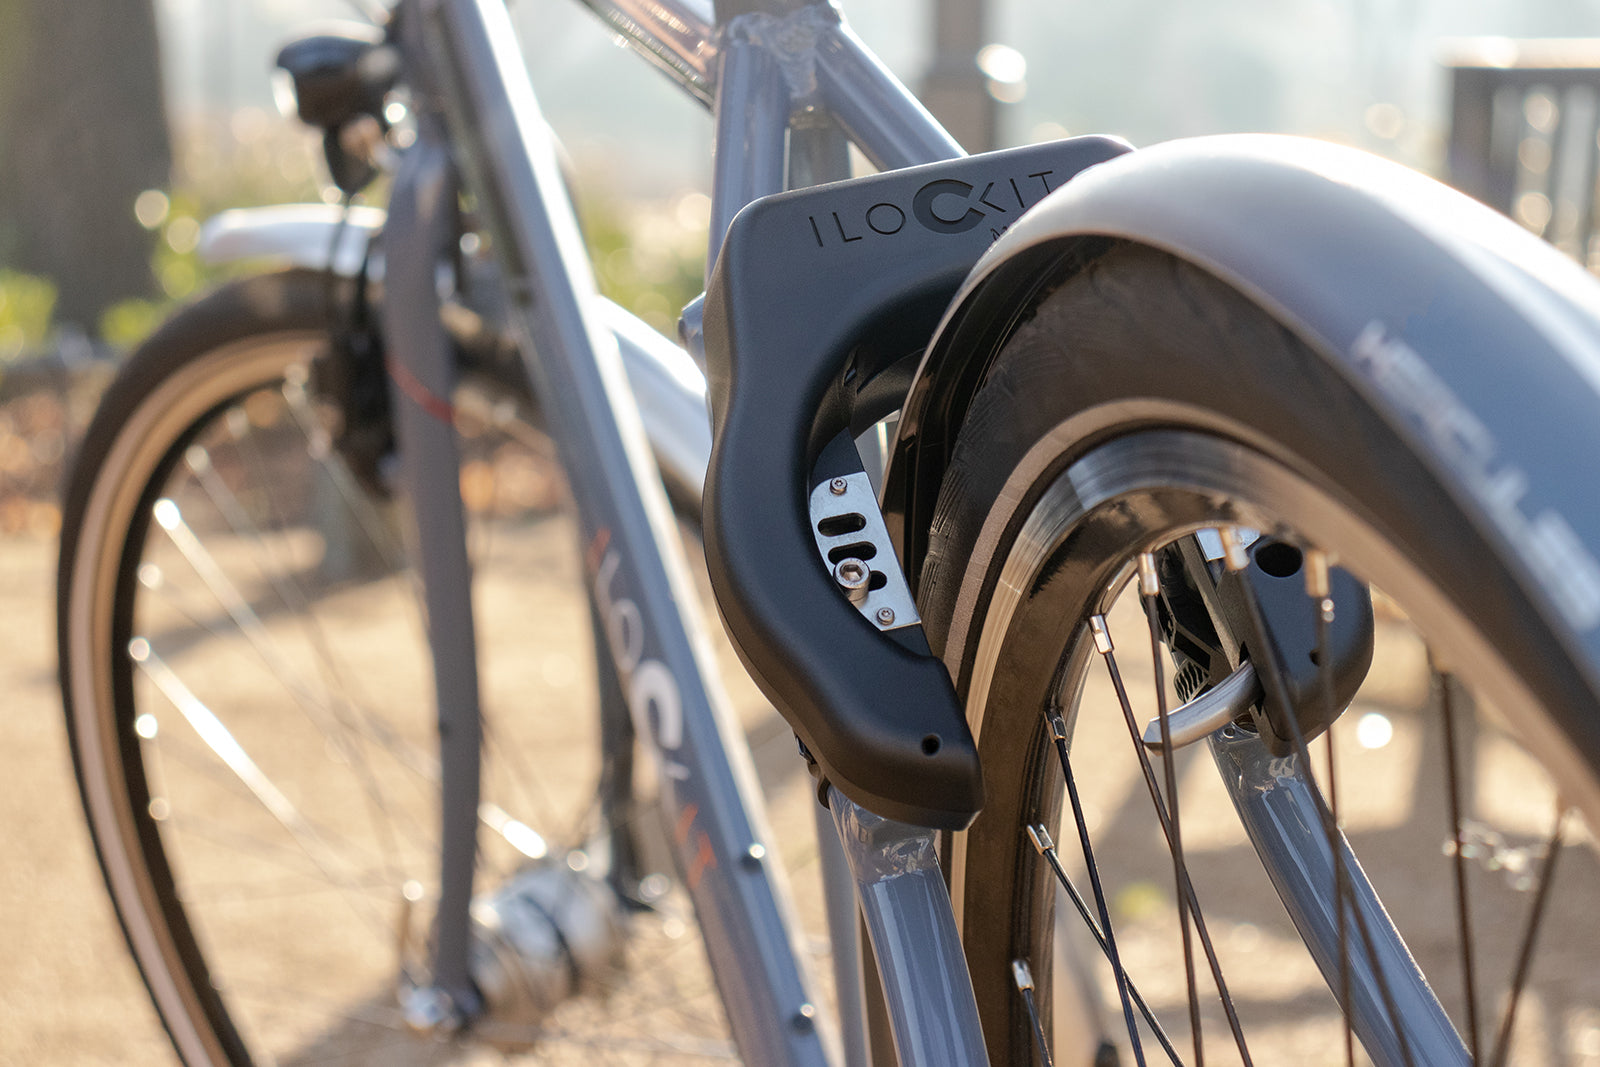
x: 202, y: 889
x: 1142, y: 400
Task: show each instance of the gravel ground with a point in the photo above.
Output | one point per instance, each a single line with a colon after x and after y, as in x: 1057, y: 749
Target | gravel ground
x: 69, y: 994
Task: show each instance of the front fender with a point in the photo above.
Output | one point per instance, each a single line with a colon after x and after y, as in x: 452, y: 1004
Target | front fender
x: 1477, y: 341
x: 310, y: 236
x: 670, y: 388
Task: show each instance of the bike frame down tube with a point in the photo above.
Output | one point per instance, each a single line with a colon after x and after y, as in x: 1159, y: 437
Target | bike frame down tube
x: 634, y: 562
x: 632, y: 558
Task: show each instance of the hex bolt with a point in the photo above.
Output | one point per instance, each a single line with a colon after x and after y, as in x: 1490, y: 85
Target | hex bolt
x: 854, y: 577
x: 885, y: 616
x: 838, y: 486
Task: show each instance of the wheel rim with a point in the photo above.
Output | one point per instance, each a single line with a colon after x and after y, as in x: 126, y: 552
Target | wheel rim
x: 314, y: 784
x: 1074, y: 552
x: 139, y: 880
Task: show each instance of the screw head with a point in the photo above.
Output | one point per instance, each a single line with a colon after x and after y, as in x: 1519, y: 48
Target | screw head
x: 838, y: 486
x: 885, y: 616
x: 851, y: 573
x: 854, y: 577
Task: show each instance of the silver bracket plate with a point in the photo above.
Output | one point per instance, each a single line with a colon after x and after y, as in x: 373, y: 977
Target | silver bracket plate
x: 1209, y: 711
x: 847, y: 525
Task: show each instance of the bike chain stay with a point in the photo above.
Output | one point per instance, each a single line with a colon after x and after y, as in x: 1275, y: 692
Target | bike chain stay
x: 819, y: 307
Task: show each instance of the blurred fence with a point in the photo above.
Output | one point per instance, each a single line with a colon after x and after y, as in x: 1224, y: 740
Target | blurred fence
x: 1523, y: 134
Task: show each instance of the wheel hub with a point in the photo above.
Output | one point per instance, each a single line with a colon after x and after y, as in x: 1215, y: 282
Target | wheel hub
x: 547, y: 934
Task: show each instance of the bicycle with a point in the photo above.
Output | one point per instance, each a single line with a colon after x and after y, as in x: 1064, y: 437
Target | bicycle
x: 1238, y: 383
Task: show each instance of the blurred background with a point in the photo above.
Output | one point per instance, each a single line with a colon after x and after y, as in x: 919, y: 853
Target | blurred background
x: 110, y: 162
x: 124, y: 124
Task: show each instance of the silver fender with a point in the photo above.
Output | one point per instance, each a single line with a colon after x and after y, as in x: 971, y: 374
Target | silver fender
x: 298, y: 235
x: 1476, y: 341
x: 670, y: 388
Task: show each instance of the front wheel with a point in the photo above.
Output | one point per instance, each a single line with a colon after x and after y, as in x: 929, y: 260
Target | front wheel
x: 1145, y: 414
x: 248, y: 687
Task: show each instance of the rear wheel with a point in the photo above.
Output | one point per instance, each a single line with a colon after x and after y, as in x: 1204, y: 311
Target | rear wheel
x: 1144, y: 408
x: 248, y: 693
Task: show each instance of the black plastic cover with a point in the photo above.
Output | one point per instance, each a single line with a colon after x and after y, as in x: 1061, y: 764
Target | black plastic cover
x: 1288, y: 634
x: 340, y: 74
x: 818, y: 297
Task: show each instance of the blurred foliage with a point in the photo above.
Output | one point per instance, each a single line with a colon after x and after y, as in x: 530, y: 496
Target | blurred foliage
x: 250, y: 156
x: 239, y: 160
x: 649, y: 256
x: 243, y: 160
x: 128, y: 322
x: 26, y: 302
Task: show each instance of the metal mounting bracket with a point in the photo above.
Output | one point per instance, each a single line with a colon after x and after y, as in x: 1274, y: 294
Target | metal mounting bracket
x: 849, y: 529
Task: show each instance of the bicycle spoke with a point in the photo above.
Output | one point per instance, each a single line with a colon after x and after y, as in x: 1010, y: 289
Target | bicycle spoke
x: 1149, y: 590
x: 355, y: 498
x: 532, y: 789
x: 289, y: 589
x: 203, y: 762
x: 1519, y: 976
x: 514, y: 832
x: 1318, y: 590
x: 1024, y: 980
x: 340, y: 706
x: 1469, y: 978
x: 221, y: 741
x: 350, y: 720
x: 1043, y: 845
x: 249, y: 623
x: 420, y: 765
x: 1058, y: 730
x: 1102, y: 641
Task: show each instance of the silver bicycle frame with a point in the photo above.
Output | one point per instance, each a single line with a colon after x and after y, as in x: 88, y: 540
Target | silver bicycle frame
x: 760, y: 70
